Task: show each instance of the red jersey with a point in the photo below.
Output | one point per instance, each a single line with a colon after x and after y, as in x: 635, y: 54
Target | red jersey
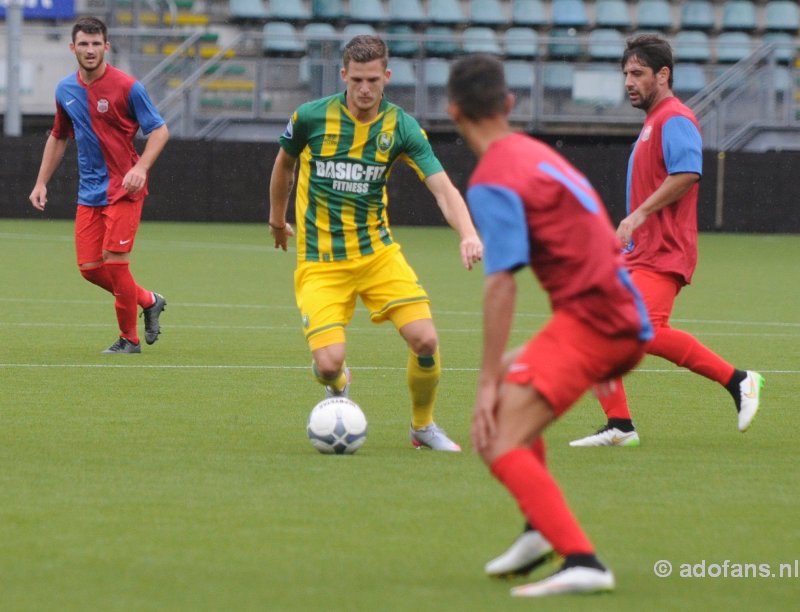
x: 534, y: 208
x: 669, y: 143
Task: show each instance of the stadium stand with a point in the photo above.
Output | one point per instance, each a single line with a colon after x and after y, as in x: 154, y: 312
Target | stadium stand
x: 781, y: 16
x: 487, y: 12
x: 402, y: 40
x: 356, y: 29
x: 565, y: 43
x: 367, y: 11
x: 446, y: 12
x: 248, y: 10
x: 697, y: 15
x: 692, y: 46
x: 785, y: 45
x: 406, y: 12
x: 441, y: 41
x: 606, y: 44
x: 739, y: 15
x: 289, y: 10
x: 280, y: 38
x: 654, y: 15
x: 612, y: 14
x: 521, y: 42
x: 328, y: 10
x: 480, y: 39
x: 528, y: 13
x: 688, y: 79
x: 569, y: 13
x: 733, y: 46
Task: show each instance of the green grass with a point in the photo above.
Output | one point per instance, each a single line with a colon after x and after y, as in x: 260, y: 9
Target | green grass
x: 181, y: 479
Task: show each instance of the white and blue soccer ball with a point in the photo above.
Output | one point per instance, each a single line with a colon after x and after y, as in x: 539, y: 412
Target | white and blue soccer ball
x: 337, y: 426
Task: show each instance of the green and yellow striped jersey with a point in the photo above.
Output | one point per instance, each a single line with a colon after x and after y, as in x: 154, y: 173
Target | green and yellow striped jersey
x: 344, y: 164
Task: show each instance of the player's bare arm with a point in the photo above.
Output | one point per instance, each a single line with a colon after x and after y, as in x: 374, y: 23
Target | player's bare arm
x: 499, y: 297
x: 54, y: 150
x: 280, y: 188
x: 136, y: 178
x: 671, y: 190
x: 457, y: 216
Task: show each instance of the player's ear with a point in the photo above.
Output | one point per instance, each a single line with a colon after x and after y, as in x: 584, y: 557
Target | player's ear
x: 454, y: 111
x: 511, y: 100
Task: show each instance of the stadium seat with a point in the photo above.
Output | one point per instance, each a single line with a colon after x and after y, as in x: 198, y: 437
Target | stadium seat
x: 445, y: 12
x: 692, y: 46
x: 606, y: 44
x: 519, y: 75
x: 441, y: 41
x: 785, y: 46
x: 781, y: 16
x: 247, y: 10
x: 280, y: 38
x: 521, y: 42
x: 528, y: 13
x: 688, y: 79
x: 564, y: 43
x: 480, y: 39
x: 318, y: 37
x: 406, y: 11
x: 436, y: 71
x: 558, y: 76
x: 288, y: 10
x: 599, y: 85
x: 697, y: 15
x: 569, y: 14
x: 739, y: 15
x: 367, y: 11
x: 733, y: 46
x: 403, y: 73
x: 356, y: 29
x: 655, y: 15
x: 402, y: 40
x: 327, y: 10
x: 486, y: 12
x: 612, y: 14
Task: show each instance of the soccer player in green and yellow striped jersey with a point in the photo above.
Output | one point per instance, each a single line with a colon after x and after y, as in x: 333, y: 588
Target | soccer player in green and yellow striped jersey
x: 343, y: 147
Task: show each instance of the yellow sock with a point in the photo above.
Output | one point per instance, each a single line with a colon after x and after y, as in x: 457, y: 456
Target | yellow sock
x: 423, y: 379
x: 337, y: 383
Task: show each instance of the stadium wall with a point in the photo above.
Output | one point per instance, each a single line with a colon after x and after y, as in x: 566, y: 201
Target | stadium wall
x: 228, y: 182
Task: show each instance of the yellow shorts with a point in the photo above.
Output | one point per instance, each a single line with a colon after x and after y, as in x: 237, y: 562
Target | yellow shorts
x: 326, y: 294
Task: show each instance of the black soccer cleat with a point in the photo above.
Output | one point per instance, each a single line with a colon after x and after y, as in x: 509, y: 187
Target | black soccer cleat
x: 123, y: 345
x: 152, y: 328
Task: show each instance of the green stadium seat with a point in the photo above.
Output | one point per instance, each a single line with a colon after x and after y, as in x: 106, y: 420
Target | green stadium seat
x: 564, y: 43
x: 480, y: 39
x: 327, y: 10
x: 446, y: 12
x: 780, y: 16
x: 733, y: 46
x: 739, y: 15
x: 528, y: 13
x: 441, y: 41
x: 697, y: 15
x: 367, y: 11
x: 654, y: 15
x: 521, y: 42
x: 569, y: 14
x: 247, y: 10
x: 612, y: 14
x: 486, y: 12
x: 406, y: 11
x: 402, y: 40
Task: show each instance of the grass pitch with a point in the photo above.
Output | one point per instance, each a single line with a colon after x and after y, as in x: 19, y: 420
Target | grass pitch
x: 181, y: 478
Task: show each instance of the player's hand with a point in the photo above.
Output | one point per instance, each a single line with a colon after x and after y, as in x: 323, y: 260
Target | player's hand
x: 471, y: 249
x: 484, y: 423
x: 134, y: 180
x: 628, y: 225
x: 38, y: 197
x: 281, y: 235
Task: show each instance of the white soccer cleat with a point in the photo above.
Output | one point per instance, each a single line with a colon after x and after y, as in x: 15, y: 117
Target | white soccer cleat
x: 749, y: 398
x: 569, y: 581
x: 431, y: 436
x: 609, y: 436
x: 345, y: 392
x: 526, y: 553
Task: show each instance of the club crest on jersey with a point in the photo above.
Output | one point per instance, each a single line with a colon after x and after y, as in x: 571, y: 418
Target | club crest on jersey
x: 646, y: 132
x: 385, y: 141
x: 102, y: 105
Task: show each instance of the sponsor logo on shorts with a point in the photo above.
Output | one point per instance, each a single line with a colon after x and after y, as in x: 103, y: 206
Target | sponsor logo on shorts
x: 125, y: 241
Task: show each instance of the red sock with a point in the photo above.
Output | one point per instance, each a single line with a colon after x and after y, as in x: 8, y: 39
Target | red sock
x: 686, y: 351
x: 98, y: 276
x: 538, y: 450
x: 540, y: 500
x: 125, y: 290
x: 611, y: 395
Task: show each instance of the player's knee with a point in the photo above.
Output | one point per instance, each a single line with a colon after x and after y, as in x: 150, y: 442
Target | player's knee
x: 424, y: 345
x: 328, y: 366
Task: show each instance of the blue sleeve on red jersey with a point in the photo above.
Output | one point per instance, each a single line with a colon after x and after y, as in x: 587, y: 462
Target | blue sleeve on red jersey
x: 143, y: 109
x: 500, y: 216
x: 683, y: 146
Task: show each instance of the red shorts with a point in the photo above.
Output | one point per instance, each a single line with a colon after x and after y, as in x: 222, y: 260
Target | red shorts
x: 106, y: 228
x: 658, y: 292
x: 567, y: 357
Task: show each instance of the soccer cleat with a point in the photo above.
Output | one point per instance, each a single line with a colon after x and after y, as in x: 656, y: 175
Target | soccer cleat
x: 527, y: 552
x: 434, y: 438
x: 123, y: 345
x: 749, y: 398
x: 345, y: 392
x: 609, y: 436
x: 151, y: 325
x: 576, y: 579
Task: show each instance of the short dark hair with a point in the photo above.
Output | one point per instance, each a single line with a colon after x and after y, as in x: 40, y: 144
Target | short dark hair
x: 477, y: 86
x: 90, y: 25
x: 365, y: 48
x: 652, y: 51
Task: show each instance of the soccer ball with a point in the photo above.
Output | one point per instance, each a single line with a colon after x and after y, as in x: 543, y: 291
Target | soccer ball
x: 337, y: 426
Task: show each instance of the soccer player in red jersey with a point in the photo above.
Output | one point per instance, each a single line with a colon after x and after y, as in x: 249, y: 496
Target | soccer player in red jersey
x: 534, y: 209
x: 660, y: 235
x: 102, y: 108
